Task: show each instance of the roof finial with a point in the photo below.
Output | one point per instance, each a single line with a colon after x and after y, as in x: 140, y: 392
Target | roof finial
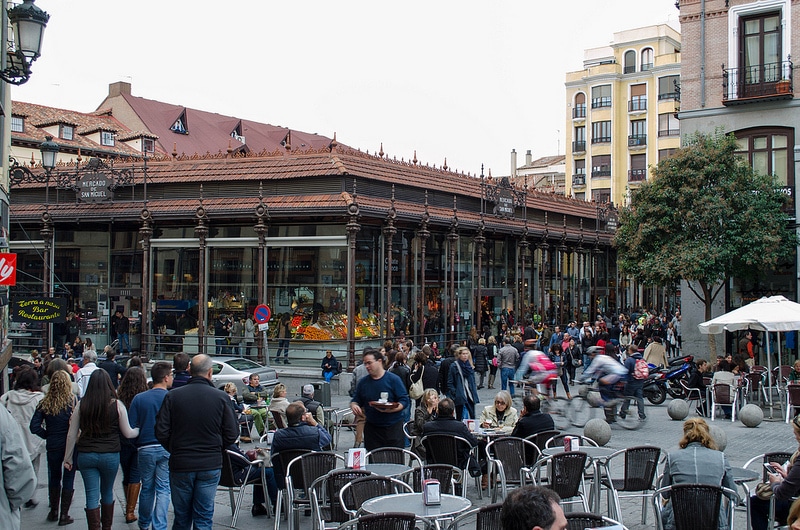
x: 380, y: 153
x: 445, y: 164
x: 230, y: 147
x: 174, y: 149
x: 334, y: 143
x: 415, y: 157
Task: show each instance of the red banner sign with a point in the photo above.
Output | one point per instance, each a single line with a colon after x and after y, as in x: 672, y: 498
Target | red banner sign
x: 8, y: 269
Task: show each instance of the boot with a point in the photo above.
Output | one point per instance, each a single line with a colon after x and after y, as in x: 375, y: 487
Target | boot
x: 66, y: 501
x: 55, y: 495
x: 93, y: 518
x: 491, y: 380
x: 484, y: 481
x: 107, y: 515
x: 131, y: 496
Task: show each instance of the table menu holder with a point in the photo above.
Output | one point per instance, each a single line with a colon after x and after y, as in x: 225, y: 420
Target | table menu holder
x: 356, y: 458
x: 431, y: 492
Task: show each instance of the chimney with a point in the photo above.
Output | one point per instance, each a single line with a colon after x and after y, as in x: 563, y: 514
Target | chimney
x: 513, y: 163
x: 119, y: 88
x: 528, y: 158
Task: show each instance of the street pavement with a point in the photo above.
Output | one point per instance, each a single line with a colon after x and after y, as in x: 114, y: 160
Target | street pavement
x: 659, y: 430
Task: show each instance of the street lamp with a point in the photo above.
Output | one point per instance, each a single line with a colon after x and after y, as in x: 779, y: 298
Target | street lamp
x: 28, y: 23
x: 49, y: 150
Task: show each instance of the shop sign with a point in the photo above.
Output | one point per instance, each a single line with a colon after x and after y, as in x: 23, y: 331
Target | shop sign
x: 505, y: 203
x: 38, y: 309
x: 8, y: 269
x: 94, y: 187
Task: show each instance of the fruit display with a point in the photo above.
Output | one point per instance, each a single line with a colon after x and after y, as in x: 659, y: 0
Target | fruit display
x: 329, y: 326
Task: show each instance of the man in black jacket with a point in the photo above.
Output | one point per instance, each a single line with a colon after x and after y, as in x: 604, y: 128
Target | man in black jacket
x: 195, y: 423
x: 446, y: 423
x: 532, y: 419
x: 303, y: 432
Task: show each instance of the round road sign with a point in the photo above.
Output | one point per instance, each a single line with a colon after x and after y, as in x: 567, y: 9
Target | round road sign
x: 262, y: 314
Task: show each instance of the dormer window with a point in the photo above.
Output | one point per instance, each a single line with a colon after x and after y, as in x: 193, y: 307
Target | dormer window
x: 148, y: 145
x: 236, y: 134
x: 17, y: 124
x: 180, y: 125
x: 66, y: 132
x: 107, y: 138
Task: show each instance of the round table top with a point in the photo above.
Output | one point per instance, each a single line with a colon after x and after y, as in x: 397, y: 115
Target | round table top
x: 412, y: 502
x: 592, y: 451
x: 386, y: 469
x: 742, y: 475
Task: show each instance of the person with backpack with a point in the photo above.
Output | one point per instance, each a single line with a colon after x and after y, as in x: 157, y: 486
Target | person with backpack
x: 637, y: 374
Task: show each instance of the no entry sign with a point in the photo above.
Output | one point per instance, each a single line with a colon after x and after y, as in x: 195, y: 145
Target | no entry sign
x: 262, y: 314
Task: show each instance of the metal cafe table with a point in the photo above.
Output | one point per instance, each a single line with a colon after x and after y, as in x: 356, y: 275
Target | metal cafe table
x: 450, y: 506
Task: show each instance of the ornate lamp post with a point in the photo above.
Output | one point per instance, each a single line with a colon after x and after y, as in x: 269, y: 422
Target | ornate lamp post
x: 452, y: 238
x: 523, y: 245
x: 353, y: 227
x: 261, y: 228
x: 480, y: 240
x: 201, y: 231
x: 423, y: 234
x: 27, y: 23
x: 146, y: 233
x: 562, y: 254
x: 388, y: 234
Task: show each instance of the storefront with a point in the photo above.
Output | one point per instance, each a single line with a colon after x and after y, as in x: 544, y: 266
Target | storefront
x: 352, y: 247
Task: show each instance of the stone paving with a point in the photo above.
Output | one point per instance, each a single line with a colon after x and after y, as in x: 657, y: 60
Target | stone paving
x: 659, y: 430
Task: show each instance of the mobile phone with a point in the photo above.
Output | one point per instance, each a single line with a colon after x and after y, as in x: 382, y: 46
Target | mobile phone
x: 771, y: 469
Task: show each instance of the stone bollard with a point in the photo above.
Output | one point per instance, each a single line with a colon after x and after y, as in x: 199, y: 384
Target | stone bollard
x: 678, y: 409
x: 751, y: 415
x: 598, y: 430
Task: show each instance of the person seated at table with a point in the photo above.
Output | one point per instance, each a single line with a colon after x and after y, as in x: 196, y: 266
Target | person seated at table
x: 532, y: 420
x: 240, y: 412
x: 425, y: 412
x: 793, y: 521
x: 794, y: 373
x: 696, y: 462
x: 314, y: 407
x: 697, y: 380
x: 279, y: 403
x: 532, y: 508
x: 243, y: 472
x: 253, y: 395
x: 500, y: 415
x: 739, y: 366
x: 725, y: 375
x: 445, y: 422
x: 785, y: 485
x: 330, y: 366
x: 302, y: 432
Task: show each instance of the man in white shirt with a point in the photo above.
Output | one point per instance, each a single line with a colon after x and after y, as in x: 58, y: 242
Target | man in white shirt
x: 89, y: 366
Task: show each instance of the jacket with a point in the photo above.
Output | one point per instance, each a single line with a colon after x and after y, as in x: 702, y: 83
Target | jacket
x: 479, y: 355
x: 52, y: 429
x: 533, y: 423
x: 489, y: 415
x: 194, y: 424
x: 457, y: 386
x: 22, y: 405
x: 430, y: 374
x: 17, y: 480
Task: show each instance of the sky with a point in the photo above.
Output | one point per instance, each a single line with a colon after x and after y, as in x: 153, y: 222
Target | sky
x: 464, y: 81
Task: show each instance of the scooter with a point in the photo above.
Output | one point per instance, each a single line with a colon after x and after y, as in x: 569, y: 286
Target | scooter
x: 665, y: 381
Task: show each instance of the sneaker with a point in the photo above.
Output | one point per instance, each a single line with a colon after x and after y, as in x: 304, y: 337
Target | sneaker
x: 286, y: 361
x: 642, y: 418
x: 245, y: 439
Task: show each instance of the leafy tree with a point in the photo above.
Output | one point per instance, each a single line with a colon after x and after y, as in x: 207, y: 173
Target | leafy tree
x: 704, y: 217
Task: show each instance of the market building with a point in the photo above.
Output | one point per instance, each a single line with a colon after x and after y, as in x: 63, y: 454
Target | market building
x: 353, y: 246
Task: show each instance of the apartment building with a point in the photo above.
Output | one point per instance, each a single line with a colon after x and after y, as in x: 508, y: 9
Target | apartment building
x: 622, y: 113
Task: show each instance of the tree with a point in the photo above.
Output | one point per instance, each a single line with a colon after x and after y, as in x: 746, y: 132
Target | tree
x: 704, y: 217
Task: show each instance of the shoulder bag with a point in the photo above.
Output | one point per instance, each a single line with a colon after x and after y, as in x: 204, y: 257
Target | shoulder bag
x: 417, y: 388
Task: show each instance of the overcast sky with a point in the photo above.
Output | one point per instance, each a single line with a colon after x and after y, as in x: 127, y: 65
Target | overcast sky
x: 464, y: 80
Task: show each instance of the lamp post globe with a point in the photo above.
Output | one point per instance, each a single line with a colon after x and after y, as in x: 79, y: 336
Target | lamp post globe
x: 49, y: 150
x: 28, y: 22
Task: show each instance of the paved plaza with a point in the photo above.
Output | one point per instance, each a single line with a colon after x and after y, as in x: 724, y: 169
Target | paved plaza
x: 659, y: 430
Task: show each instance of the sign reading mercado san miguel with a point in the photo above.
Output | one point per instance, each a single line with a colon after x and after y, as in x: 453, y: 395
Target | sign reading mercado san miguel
x: 93, y: 187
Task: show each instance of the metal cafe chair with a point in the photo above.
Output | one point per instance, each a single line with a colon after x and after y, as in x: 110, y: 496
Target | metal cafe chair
x: 638, y: 478
x: 723, y: 394
x: 541, y: 437
x: 564, y: 474
x: 762, y: 459
x: 325, y: 504
x: 447, y: 449
x: 341, y: 419
x: 255, y: 475
x: 300, y: 473
x: 356, y: 492
x: 486, y: 518
x: 446, y: 474
x: 382, y: 521
x: 511, y: 459
x: 584, y: 520
x: 393, y: 455
x: 696, y: 506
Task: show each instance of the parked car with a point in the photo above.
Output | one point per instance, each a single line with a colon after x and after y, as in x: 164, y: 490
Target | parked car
x: 237, y: 370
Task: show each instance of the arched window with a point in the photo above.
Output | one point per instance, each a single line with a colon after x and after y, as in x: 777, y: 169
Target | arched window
x: 647, y: 59
x: 579, y: 111
x: 630, y: 62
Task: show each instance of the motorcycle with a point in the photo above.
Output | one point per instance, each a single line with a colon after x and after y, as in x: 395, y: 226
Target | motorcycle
x: 663, y: 381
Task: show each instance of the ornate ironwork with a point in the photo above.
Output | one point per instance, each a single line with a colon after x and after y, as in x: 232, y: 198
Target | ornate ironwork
x: 505, y: 196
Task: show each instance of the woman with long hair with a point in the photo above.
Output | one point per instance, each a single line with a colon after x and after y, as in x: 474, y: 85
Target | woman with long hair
x: 94, y: 432
x: 461, y: 386
x: 51, y: 422
x: 784, y: 484
x: 133, y: 382
x: 697, y: 461
x: 21, y: 402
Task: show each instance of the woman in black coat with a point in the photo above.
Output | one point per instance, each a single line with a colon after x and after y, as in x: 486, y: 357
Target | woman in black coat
x: 424, y: 367
x: 479, y: 359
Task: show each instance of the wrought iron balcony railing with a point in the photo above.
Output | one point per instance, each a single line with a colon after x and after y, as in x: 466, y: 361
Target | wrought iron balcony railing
x: 579, y: 147
x: 637, y: 175
x: 636, y: 140
x: 579, y: 180
x: 601, y: 172
x: 638, y: 103
x: 579, y: 111
x: 758, y: 82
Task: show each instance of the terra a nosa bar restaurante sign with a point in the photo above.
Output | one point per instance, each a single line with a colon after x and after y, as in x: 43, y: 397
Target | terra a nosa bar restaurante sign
x: 38, y: 309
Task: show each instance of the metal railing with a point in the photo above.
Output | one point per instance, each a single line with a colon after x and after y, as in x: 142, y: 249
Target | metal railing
x: 635, y: 140
x: 578, y: 146
x: 772, y: 80
x: 637, y: 175
x: 579, y: 111
x: 579, y: 179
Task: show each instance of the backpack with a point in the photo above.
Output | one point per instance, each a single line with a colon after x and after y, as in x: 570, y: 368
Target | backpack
x: 640, y: 369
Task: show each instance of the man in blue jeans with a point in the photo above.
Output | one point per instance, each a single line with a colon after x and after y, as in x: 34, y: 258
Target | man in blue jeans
x: 195, y: 423
x: 153, y: 458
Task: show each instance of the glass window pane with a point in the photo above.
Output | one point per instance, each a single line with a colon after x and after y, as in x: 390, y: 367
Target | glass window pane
x: 779, y: 166
x: 778, y: 141
x: 760, y: 142
x: 760, y: 163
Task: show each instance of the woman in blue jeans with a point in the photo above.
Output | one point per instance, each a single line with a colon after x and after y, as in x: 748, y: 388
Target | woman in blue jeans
x: 133, y: 382
x: 94, y: 430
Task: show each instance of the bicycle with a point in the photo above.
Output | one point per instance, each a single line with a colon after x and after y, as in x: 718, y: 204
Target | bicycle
x: 557, y: 408
x: 589, y: 402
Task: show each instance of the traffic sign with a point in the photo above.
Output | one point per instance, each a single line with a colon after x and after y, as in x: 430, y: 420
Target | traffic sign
x: 262, y: 314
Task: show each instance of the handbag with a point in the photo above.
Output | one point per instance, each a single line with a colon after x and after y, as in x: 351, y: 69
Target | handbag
x: 417, y: 388
x: 764, y: 491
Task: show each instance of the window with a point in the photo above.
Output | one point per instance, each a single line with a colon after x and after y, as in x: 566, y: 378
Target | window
x: 666, y: 153
x: 638, y: 171
x: 180, y: 125
x: 760, y: 57
x: 601, y: 166
x: 17, y: 124
x: 638, y: 98
x: 602, y: 196
x: 66, y: 132
x: 601, y: 96
x: 579, y: 144
x: 630, y: 62
x: 148, y: 145
x: 579, y: 177
x: 107, y: 138
x: 668, y: 87
x: 768, y: 152
x: 647, y: 59
x: 580, y: 106
x: 601, y: 131
x: 638, y: 134
x: 668, y: 125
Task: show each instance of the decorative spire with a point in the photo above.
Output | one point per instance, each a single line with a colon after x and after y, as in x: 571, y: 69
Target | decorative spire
x: 334, y: 143
x: 445, y: 164
x: 380, y: 153
x: 174, y: 149
x: 415, y: 157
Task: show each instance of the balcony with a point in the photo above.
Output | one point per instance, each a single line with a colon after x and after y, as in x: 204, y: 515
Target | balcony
x: 579, y: 180
x: 579, y: 147
x: 637, y: 104
x: 669, y: 132
x: 629, y: 69
x: 579, y: 112
x: 601, y: 140
x: 637, y: 140
x: 601, y: 172
x: 767, y: 82
x: 666, y: 96
x: 598, y: 103
x: 637, y: 175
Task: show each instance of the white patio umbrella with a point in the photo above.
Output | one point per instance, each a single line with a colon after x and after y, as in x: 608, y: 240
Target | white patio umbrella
x: 768, y: 314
